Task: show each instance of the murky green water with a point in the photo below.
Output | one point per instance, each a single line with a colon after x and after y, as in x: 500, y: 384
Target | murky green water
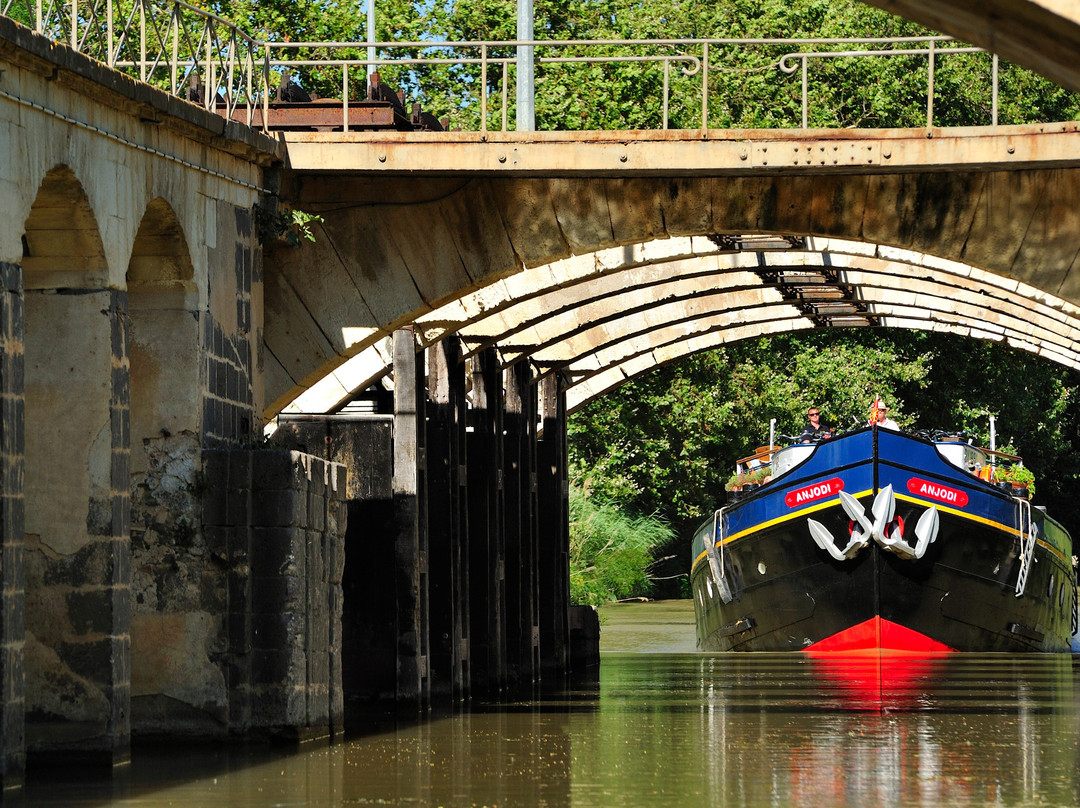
x: 665, y: 726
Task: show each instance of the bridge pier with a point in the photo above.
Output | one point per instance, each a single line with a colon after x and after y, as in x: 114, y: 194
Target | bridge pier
x: 456, y: 579
x: 553, y: 546
x: 12, y: 529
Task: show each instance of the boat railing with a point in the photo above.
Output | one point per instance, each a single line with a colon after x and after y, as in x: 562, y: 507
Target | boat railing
x: 761, y: 457
x: 1027, y: 532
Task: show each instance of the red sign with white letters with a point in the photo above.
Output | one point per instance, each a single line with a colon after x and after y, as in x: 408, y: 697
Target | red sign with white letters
x: 811, y: 493
x: 942, y: 493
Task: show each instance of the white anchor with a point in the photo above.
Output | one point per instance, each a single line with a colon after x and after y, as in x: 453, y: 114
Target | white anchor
x: 883, y: 530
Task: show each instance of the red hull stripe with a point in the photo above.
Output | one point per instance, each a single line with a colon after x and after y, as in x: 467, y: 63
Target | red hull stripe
x: 877, y: 634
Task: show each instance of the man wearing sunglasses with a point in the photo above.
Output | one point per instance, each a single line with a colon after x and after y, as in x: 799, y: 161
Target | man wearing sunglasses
x: 815, y: 429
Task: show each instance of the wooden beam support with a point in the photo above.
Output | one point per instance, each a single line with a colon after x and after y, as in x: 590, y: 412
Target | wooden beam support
x: 554, y: 543
x: 410, y: 542
x: 519, y: 492
x: 447, y: 525
x: 487, y: 539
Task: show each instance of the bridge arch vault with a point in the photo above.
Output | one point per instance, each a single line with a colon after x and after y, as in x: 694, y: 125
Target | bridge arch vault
x: 398, y: 250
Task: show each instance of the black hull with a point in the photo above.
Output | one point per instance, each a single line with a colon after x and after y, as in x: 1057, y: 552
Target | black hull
x: 773, y: 588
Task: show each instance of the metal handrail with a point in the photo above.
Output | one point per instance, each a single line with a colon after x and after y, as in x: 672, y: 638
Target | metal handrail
x: 168, y: 43
x: 1027, y: 543
x: 191, y: 52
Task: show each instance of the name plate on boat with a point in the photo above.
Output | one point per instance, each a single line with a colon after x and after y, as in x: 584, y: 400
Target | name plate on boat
x: 942, y: 493
x: 811, y: 493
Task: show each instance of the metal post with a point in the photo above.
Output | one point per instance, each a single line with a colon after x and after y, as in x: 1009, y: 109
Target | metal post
x: 526, y: 111
x: 370, y: 36
x: 930, y: 90
x: 805, y: 102
x: 994, y: 92
x: 705, y: 87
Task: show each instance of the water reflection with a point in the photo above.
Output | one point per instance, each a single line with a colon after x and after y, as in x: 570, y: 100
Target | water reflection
x: 673, y: 728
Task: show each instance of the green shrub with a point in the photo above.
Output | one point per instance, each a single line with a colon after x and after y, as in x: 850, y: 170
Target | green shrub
x: 610, y: 551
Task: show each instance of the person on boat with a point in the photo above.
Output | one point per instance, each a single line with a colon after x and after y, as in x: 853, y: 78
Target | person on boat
x: 879, y: 416
x: 815, y: 428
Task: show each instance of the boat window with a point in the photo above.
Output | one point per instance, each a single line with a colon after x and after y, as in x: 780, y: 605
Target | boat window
x: 1050, y: 591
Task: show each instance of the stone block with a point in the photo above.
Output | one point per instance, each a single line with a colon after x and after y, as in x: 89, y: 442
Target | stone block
x: 317, y: 471
x: 215, y: 510
x: 277, y: 551
x: 238, y: 507
x: 241, y: 468
x: 280, y: 709
x: 272, y: 470
x: 339, y: 480
x: 277, y: 593
x: 316, y: 516
x: 238, y: 626
x: 282, y: 631
x: 279, y: 668
x: 90, y: 611
x: 90, y: 660
x: 278, y: 508
x: 216, y: 539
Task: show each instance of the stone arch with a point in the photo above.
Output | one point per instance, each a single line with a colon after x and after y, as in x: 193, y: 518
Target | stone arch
x: 76, y: 469
x: 62, y: 246
x: 164, y: 352
x: 169, y: 623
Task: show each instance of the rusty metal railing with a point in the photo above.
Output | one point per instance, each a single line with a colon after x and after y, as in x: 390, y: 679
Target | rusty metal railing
x: 194, y: 54
x: 167, y: 43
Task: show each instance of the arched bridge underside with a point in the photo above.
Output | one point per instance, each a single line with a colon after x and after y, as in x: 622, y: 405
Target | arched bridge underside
x: 599, y: 278
x: 602, y: 319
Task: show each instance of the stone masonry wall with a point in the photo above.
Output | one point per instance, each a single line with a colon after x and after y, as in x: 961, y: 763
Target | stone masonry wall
x: 278, y: 518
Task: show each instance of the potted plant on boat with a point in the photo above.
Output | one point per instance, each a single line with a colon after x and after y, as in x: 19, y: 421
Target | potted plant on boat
x: 1019, y: 478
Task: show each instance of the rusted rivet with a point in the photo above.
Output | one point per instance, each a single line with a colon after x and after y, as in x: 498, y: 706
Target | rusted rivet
x: 382, y: 158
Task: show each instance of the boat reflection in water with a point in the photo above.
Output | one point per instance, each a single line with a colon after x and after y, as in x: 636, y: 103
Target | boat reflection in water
x: 885, y: 682
x: 959, y: 729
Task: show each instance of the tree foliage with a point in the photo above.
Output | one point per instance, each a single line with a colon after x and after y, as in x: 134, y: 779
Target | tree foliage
x: 746, y: 88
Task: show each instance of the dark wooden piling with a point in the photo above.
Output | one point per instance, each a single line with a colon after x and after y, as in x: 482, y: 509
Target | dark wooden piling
x: 519, y: 492
x: 554, y: 540
x: 448, y: 540
x: 487, y: 543
x: 410, y: 541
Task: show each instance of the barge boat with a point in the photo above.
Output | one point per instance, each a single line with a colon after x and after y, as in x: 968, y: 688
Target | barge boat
x: 878, y: 540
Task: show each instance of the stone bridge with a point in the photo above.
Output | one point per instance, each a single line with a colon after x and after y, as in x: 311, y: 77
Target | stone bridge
x: 166, y: 571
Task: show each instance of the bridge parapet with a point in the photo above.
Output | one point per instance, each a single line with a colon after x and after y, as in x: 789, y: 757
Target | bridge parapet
x: 677, y: 83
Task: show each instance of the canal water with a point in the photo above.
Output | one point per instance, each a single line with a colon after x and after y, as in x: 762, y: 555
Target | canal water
x: 663, y: 725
